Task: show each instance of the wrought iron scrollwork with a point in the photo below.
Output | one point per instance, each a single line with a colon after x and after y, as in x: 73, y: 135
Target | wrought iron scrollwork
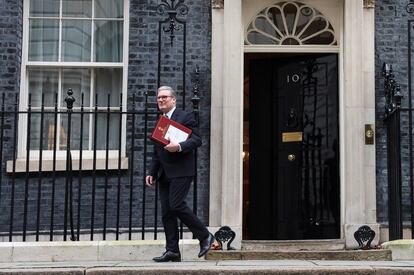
x: 173, y: 8
x: 410, y: 7
x: 364, y: 234
x: 393, y: 94
x: 225, y: 234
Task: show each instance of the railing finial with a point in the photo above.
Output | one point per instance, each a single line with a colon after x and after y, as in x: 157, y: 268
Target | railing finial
x: 69, y: 99
x: 392, y: 90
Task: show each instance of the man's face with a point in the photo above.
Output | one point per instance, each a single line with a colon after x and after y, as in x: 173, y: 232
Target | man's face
x: 165, y: 101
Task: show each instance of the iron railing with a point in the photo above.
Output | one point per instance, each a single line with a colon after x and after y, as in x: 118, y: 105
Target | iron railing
x: 400, y: 160
x: 81, y: 185
x: 398, y: 120
x: 101, y: 197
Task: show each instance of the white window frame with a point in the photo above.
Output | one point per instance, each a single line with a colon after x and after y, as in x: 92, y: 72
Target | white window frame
x: 23, y: 101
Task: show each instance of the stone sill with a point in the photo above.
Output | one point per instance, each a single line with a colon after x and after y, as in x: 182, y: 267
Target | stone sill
x: 47, y: 165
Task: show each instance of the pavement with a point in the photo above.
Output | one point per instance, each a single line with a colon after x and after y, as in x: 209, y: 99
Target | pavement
x: 211, y: 267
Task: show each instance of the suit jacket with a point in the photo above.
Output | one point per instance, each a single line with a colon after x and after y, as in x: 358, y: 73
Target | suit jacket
x: 178, y: 164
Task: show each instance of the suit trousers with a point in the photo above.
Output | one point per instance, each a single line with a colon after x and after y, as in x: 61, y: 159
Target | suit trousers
x: 173, y: 193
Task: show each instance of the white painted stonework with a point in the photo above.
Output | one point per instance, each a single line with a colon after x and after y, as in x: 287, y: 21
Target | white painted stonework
x: 402, y: 250
x: 227, y: 118
x: 92, y: 251
x: 354, y: 27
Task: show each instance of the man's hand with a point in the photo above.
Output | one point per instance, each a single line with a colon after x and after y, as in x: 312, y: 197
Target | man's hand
x: 172, y: 147
x: 149, y: 180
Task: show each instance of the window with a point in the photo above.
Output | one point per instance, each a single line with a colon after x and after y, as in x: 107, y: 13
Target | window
x: 77, y: 44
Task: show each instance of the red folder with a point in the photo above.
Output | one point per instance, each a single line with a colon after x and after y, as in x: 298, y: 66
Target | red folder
x: 166, y: 127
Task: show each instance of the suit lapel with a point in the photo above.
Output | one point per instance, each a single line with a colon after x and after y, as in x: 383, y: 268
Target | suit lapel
x: 175, y: 114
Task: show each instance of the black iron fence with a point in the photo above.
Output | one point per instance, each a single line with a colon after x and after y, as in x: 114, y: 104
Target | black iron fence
x: 78, y: 173
x: 400, y: 147
x: 400, y: 151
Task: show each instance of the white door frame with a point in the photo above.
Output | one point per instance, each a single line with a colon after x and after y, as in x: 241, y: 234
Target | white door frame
x: 357, y: 107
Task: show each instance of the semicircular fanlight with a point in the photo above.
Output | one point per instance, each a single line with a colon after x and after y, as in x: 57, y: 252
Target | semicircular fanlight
x: 290, y: 23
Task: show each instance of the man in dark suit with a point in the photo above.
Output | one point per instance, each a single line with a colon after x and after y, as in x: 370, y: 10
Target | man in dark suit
x: 173, y: 166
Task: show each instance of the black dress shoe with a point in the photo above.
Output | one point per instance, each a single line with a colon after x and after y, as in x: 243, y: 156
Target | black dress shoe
x: 205, y: 245
x: 168, y: 256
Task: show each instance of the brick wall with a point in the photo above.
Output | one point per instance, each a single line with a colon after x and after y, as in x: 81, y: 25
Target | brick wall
x: 11, y: 13
x: 143, y: 72
x: 142, y: 77
x: 10, y: 46
x: 391, y: 47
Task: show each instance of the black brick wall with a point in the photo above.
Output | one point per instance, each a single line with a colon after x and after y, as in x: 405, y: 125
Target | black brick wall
x: 391, y: 47
x: 10, y: 47
x: 142, y: 77
x: 11, y: 14
x: 143, y: 73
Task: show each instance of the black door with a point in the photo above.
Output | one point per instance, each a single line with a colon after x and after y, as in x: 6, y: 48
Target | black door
x: 293, y: 148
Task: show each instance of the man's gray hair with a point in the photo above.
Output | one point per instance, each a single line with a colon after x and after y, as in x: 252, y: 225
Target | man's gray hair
x: 167, y: 88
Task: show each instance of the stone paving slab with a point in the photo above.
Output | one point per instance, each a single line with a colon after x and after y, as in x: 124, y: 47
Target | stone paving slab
x: 365, y: 263
x: 252, y: 270
x: 275, y: 263
x: 211, y: 267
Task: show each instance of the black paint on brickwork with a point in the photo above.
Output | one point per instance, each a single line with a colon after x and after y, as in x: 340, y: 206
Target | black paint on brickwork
x: 11, y: 13
x: 11, y: 29
x: 391, y: 47
x: 142, y: 77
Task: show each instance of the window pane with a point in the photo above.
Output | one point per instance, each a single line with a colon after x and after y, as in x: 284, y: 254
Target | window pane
x: 109, y: 8
x: 77, y: 8
x: 108, y: 41
x: 76, y: 40
x: 108, y: 81
x: 44, y: 8
x: 43, y: 40
x: 75, y: 132
x: 79, y: 80
x: 48, y: 132
x: 44, y: 81
x: 101, y: 127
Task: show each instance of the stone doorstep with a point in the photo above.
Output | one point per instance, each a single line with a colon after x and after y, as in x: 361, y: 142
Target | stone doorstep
x: 296, y: 245
x: 342, y: 255
x: 92, y: 251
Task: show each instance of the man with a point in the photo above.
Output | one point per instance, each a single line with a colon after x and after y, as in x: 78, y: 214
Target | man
x: 173, y: 166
